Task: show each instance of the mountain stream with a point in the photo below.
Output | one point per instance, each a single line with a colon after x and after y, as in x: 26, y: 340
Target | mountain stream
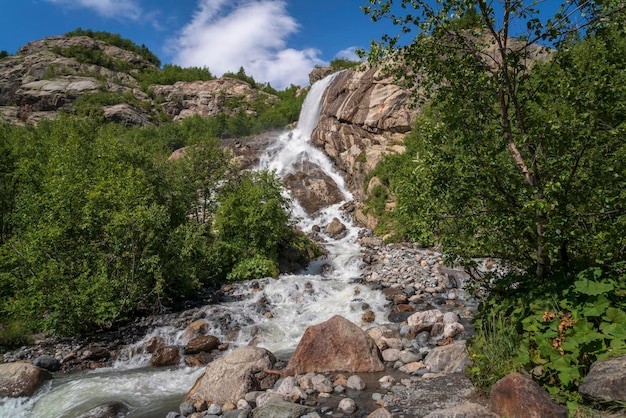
x: 295, y: 301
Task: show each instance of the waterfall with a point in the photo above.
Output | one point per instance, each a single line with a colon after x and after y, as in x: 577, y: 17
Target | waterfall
x: 294, y: 301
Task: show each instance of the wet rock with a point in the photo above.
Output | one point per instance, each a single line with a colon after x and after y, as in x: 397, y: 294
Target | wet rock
x: 347, y: 406
x: 165, y: 356
x: 197, y: 328
x: 312, y: 188
x: 21, y: 379
x: 335, y: 229
x: 229, y: 378
x: 202, y: 343
x: 516, y: 395
x: 368, y: 317
x: 154, y: 343
x: 278, y: 408
x: 606, y: 381
x: 355, y: 382
x: 48, y: 362
x: 335, y: 345
x: 112, y: 409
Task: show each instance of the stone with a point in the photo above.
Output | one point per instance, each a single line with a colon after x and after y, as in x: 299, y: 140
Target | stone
x: 347, y: 406
x: 356, y: 382
x: 165, y: 356
x: 199, y: 326
x: 154, y: 343
x: 391, y: 355
x: 368, y: 317
x: 229, y: 378
x: 48, y: 362
x: 516, y: 395
x: 202, y: 343
x: 21, y: 379
x: 424, y: 321
x: 278, y: 408
x: 412, y: 368
x: 335, y: 229
x: 312, y: 188
x: 112, y: 409
x: 335, y: 345
x: 468, y: 410
x: 606, y: 381
x: 451, y: 358
x: 380, y: 413
x: 452, y: 330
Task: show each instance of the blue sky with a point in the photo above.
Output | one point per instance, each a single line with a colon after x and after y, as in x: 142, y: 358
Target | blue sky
x: 276, y: 41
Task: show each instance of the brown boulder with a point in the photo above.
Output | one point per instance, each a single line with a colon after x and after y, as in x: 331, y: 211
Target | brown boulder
x: 335, y: 345
x: 21, y: 379
x: 518, y: 396
x: 335, y: 229
x: 202, y: 343
x: 229, y: 378
x: 165, y: 356
x: 312, y: 188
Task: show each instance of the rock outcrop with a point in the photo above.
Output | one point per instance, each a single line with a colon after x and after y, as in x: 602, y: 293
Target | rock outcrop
x: 516, y: 395
x: 44, y: 78
x: 364, y: 116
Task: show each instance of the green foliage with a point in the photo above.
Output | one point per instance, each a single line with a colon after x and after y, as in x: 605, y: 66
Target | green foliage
x: 255, y: 267
x: 88, y: 55
x: 533, y: 176
x: 97, y: 224
x: 554, y: 332
x: 252, y: 220
x: 4, y: 54
x: 116, y: 40
x: 170, y: 74
x: 241, y: 75
x: 343, y: 64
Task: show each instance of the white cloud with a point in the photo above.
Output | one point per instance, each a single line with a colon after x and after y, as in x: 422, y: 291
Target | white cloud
x: 119, y: 9
x: 225, y: 35
x: 349, y: 54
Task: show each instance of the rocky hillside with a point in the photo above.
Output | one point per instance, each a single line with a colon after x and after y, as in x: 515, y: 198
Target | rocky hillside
x: 67, y: 74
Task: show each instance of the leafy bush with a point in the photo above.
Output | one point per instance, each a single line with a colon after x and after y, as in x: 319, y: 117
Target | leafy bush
x: 343, y: 64
x: 554, y: 332
x: 255, y: 267
x: 93, y: 56
x: 170, y: 74
x: 116, y: 40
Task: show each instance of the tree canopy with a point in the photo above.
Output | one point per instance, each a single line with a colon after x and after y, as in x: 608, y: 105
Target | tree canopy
x: 497, y: 172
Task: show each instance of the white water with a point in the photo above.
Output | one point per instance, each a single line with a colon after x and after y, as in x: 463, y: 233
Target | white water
x: 295, y: 302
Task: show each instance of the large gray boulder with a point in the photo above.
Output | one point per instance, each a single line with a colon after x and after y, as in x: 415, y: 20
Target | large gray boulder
x: 21, y: 379
x: 606, y: 381
x: 229, y: 378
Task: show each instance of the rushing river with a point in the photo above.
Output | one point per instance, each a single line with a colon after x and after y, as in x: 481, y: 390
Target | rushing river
x: 295, y: 301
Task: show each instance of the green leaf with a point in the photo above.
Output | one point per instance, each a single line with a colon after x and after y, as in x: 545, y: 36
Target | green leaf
x: 592, y: 288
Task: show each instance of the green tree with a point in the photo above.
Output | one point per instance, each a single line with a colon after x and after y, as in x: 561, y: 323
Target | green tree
x: 486, y: 169
x: 253, y: 222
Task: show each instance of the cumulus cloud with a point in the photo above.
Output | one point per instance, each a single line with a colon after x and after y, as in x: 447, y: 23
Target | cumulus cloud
x: 225, y: 35
x: 348, y: 54
x: 119, y: 9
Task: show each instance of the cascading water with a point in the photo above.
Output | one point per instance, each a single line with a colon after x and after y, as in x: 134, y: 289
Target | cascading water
x: 294, y: 301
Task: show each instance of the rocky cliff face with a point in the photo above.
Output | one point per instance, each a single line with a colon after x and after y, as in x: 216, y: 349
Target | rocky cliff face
x: 364, y: 116
x: 40, y: 81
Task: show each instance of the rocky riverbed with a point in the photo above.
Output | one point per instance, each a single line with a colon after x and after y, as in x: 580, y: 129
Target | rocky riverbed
x: 422, y: 342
